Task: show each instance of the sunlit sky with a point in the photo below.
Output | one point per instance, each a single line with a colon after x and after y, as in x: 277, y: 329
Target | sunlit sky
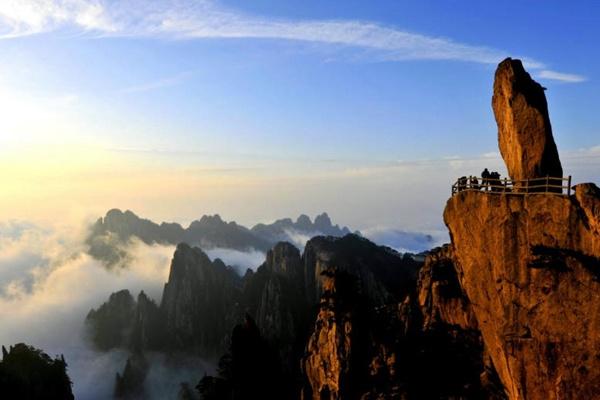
x: 264, y: 109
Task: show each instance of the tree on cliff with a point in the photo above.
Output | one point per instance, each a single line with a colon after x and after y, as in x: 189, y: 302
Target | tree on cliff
x: 29, y: 373
x: 250, y: 371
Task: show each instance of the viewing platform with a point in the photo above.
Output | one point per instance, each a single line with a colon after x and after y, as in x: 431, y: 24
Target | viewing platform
x: 548, y: 185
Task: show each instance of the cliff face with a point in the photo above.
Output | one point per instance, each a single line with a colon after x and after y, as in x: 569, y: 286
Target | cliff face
x: 331, y: 348
x: 199, y: 302
x: 282, y: 311
x: 425, y: 345
x: 111, y: 324
x: 440, y: 297
x: 531, y: 268
x: 530, y: 265
x: 524, y: 130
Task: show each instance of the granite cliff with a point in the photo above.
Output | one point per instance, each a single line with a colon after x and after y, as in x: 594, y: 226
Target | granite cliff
x: 531, y: 267
x: 530, y: 264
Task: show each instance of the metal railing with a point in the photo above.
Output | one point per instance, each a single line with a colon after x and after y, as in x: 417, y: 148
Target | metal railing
x: 550, y: 185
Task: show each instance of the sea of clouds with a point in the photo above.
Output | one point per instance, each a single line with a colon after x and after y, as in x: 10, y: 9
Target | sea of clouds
x: 48, y: 284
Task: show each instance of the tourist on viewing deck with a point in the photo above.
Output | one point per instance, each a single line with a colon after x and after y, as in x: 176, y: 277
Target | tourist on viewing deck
x: 462, y: 183
x: 485, y: 176
x: 474, y: 182
x: 495, y: 183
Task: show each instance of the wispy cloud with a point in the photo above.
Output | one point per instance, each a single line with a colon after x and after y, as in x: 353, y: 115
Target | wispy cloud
x: 27, y: 17
x: 559, y: 76
x: 205, y: 19
x: 157, y: 84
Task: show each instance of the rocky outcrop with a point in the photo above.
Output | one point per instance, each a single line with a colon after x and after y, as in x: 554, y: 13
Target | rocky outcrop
x: 531, y: 267
x: 122, y: 322
x: 524, y: 130
x: 440, y: 297
x: 328, y: 362
x: 444, y: 341
x: 148, y: 331
x: 200, y: 302
x: 111, y: 324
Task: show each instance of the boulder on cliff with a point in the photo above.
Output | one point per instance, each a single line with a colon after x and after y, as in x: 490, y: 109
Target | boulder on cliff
x: 524, y: 131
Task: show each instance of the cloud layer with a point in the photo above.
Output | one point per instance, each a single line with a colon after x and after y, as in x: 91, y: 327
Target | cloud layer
x: 206, y: 19
x: 47, y: 286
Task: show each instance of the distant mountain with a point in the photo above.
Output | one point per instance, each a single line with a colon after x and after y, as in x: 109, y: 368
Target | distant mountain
x: 286, y: 230
x: 109, y: 234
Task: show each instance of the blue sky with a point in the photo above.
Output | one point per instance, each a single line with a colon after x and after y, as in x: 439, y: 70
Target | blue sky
x: 337, y: 100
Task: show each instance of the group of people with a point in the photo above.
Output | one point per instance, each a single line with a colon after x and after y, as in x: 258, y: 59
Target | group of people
x: 489, y: 181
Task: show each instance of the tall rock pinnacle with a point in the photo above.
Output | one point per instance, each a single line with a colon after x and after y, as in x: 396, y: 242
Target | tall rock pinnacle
x: 524, y: 130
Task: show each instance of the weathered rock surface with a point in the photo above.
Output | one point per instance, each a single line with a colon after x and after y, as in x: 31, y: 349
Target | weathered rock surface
x: 530, y: 267
x: 447, y: 344
x: 440, y: 296
x: 524, y: 130
x: 331, y: 350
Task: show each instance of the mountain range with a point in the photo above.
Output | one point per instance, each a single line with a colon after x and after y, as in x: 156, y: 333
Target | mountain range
x: 108, y: 237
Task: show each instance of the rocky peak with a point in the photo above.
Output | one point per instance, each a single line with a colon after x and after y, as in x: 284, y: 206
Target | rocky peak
x: 199, y: 301
x: 147, y: 330
x: 284, y: 258
x: 304, y: 222
x: 383, y: 274
x: 110, y: 325
x: 524, y: 131
x: 323, y: 222
x: 210, y: 220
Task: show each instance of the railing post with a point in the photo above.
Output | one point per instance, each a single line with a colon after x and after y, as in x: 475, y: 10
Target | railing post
x: 547, y: 183
x: 569, y: 187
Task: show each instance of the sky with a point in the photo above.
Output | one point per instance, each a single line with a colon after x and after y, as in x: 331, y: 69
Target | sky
x: 267, y: 109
